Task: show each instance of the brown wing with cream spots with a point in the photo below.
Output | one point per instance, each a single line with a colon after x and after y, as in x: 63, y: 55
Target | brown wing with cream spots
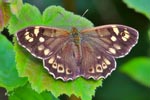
x: 92, y: 57
x: 42, y: 41
x: 116, y: 40
x: 62, y: 65
x: 96, y: 63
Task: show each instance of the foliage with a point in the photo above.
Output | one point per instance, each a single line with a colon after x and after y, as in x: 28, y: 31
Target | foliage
x: 141, y: 6
x: 139, y: 68
x: 8, y: 74
x: 139, y: 71
x: 27, y: 93
x: 24, y: 77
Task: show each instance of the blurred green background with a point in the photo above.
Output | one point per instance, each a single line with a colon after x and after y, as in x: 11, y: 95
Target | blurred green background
x: 118, y: 86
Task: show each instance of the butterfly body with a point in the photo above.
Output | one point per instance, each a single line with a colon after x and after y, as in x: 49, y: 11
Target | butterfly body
x: 89, y: 53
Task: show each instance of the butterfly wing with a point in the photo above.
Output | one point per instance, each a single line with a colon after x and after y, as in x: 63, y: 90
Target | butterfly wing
x: 54, y: 47
x: 116, y: 40
x: 95, y: 62
x: 100, y: 45
x: 42, y: 41
x: 63, y: 64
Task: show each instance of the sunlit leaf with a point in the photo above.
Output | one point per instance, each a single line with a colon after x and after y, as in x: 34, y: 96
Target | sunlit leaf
x: 138, y: 69
x: 27, y: 93
x: 141, y: 6
x: 26, y: 17
x: 8, y: 74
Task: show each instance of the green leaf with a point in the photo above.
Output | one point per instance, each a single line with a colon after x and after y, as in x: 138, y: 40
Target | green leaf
x: 141, y: 6
x: 30, y: 67
x: 27, y: 93
x: 8, y: 74
x: 31, y: 16
x: 138, y: 69
x: 4, y: 14
x: 56, y: 16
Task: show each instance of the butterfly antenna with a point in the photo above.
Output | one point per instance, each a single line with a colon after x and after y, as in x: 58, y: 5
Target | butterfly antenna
x: 85, y: 13
x: 60, y: 13
x: 82, y: 15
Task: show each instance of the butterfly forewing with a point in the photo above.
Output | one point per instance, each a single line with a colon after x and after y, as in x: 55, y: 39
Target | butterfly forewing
x: 42, y: 41
x: 116, y: 40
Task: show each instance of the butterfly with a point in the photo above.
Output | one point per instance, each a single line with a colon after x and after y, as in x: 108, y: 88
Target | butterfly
x: 89, y: 53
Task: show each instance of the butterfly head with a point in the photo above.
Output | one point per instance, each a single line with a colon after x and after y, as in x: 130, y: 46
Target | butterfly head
x: 76, y: 35
x: 74, y: 30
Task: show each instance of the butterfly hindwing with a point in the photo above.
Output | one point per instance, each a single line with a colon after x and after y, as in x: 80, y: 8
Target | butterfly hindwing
x: 42, y: 41
x: 63, y: 64
x: 96, y: 64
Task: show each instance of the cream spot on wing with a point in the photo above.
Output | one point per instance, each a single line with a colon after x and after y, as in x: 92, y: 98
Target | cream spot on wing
x: 58, y: 57
x: 117, y: 46
x: 41, y: 39
x: 31, y: 40
x: 36, y: 30
x: 115, y: 29
x: 46, y: 51
x: 51, y: 60
x: 41, y: 47
x: 91, y: 70
x: 27, y: 37
x: 113, y: 38
x: 54, y: 65
x: 124, y: 39
x: 60, y: 68
x: 68, y: 71
x: 113, y: 26
x: 125, y: 35
x: 99, y: 68
x: 27, y: 33
x: 112, y: 50
x: 107, y: 61
x: 98, y: 57
x: 104, y: 65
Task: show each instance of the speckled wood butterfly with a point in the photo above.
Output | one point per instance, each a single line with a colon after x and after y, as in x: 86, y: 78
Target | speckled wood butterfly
x: 89, y: 53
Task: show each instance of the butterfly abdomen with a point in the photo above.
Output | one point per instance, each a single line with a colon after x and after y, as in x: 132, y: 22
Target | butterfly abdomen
x: 77, y: 45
